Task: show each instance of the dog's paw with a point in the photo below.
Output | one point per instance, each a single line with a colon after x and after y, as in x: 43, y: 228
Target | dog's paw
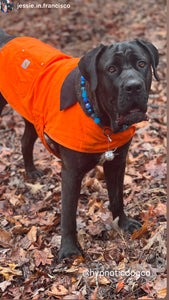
x: 35, y: 174
x: 129, y: 225
x: 69, y: 251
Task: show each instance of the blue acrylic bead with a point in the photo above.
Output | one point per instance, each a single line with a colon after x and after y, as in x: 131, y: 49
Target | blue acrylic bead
x: 97, y: 120
x: 125, y: 127
x: 86, y: 102
x: 88, y: 105
x: 84, y: 95
x: 93, y: 115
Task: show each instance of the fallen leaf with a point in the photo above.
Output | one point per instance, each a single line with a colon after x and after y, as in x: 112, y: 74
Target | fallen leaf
x: 94, y: 294
x: 146, y: 287
x: 2, y: 167
x: 156, y: 237
x: 162, y: 293
x: 5, y: 238
x: 4, y: 285
x: 14, y: 200
x: 145, y: 298
x: 101, y: 280
x: 119, y: 286
x: 32, y: 234
x: 77, y: 260
x: 59, y: 290
x: 43, y: 257
x: 72, y: 270
x: 71, y: 297
x: 160, y: 286
x: 104, y: 281
x: 19, y: 229
x: 96, y: 229
x: 99, y: 172
x: 10, y: 272
x: 35, y: 187
x: 156, y: 170
x: 128, y: 180
x: 138, y: 234
x: 19, y: 255
x: 161, y: 209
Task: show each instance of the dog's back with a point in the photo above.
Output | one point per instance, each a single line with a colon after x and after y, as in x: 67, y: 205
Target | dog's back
x: 4, y: 38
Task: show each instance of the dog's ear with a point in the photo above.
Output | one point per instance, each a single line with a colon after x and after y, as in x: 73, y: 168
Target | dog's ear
x: 153, y: 53
x: 88, y: 65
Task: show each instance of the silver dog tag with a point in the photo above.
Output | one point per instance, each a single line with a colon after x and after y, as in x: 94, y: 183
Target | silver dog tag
x: 109, y: 155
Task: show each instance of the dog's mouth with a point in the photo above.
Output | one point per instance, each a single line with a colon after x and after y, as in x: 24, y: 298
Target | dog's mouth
x: 134, y: 115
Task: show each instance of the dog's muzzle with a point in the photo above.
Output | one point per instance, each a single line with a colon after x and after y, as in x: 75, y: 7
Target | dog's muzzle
x: 133, y: 116
x: 136, y: 107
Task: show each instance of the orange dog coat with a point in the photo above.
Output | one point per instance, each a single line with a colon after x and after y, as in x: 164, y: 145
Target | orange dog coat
x: 31, y: 78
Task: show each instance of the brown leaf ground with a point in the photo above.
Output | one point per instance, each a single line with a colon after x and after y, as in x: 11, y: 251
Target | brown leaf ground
x: 115, y: 266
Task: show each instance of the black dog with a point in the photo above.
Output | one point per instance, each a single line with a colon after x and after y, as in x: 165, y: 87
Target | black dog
x: 117, y: 80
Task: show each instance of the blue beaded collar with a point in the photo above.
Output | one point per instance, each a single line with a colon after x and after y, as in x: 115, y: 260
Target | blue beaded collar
x: 87, y: 104
x: 89, y: 108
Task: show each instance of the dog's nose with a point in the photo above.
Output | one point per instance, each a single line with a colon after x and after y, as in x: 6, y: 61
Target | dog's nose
x: 133, y: 86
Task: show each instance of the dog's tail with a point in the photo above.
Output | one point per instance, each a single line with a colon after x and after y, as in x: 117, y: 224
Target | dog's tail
x: 4, y: 38
x: 2, y: 32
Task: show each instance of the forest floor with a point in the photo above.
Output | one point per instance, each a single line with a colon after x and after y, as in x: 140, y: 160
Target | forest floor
x: 116, y: 265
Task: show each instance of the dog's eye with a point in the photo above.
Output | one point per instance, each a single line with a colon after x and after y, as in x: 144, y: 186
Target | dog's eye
x: 112, y: 69
x: 141, y: 64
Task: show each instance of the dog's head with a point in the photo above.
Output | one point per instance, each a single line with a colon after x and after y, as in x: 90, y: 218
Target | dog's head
x: 120, y: 76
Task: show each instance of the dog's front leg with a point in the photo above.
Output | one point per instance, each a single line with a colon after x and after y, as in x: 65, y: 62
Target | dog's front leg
x: 74, y: 166
x: 71, y: 184
x: 28, y: 139
x: 73, y: 171
x: 114, y: 175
